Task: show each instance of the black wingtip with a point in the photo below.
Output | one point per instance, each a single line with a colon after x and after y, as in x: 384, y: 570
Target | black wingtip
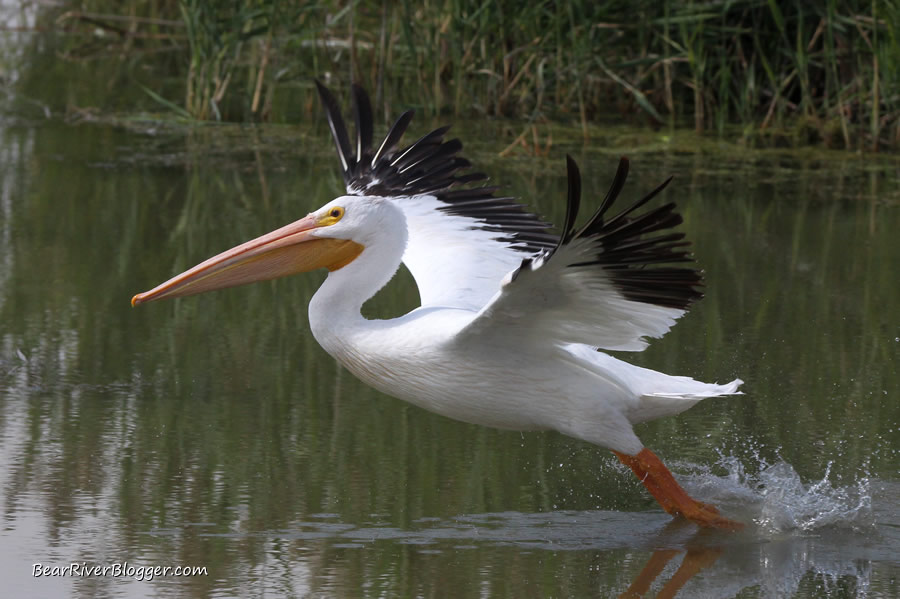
x: 573, y: 200
x: 362, y: 112
x: 597, y: 222
x: 393, y: 136
x: 326, y: 98
x: 338, y: 129
x: 621, y: 216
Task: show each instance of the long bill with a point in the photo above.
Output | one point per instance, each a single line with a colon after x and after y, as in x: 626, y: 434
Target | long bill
x: 292, y: 249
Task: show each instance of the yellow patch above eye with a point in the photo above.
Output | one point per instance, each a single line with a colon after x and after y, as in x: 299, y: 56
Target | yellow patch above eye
x: 331, y: 217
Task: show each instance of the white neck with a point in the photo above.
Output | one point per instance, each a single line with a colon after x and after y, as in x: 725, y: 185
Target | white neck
x: 334, y: 311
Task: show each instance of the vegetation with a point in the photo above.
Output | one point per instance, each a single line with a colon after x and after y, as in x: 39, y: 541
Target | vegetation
x: 763, y: 71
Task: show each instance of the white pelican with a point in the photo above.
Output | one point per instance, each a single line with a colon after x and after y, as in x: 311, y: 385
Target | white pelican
x: 512, y: 317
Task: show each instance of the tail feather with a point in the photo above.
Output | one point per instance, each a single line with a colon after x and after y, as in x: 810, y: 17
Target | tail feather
x: 696, y: 390
x: 668, y: 403
x: 658, y: 394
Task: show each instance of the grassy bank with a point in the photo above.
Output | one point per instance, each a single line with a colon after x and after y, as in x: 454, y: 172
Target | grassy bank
x: 785, y: 73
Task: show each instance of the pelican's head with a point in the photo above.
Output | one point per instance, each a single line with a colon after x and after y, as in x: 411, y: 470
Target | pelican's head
x: 331, y: 237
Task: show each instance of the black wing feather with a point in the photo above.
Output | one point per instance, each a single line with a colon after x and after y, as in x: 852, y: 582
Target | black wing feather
x: 362, y: 110
x: 338, y: 129
x: 614, y: 190
x: 573, y: 201
x: 393, y: 136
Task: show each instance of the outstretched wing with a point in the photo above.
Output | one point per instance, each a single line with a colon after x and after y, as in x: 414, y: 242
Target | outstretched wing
x: 608, y: 285
x: 462, y: 239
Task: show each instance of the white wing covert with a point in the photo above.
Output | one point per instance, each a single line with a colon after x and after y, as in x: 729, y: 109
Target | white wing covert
x: 602, y: 285
x: 462, y: 240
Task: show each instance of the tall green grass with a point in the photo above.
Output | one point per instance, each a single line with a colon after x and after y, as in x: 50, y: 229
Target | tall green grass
x: 767, y: 72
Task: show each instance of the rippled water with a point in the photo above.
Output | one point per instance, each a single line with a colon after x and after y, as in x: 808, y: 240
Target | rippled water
x: 212, y: 431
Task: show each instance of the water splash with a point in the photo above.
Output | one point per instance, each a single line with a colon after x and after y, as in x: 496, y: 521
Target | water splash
x: 777, y: 499
x: 788, y: 503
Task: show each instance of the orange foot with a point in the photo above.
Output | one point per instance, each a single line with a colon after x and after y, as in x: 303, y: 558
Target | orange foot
x: 663, y: 486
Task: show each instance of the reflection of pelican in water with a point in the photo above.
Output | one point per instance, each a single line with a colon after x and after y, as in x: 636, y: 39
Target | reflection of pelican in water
x: 607, y: 553
x: 694, y: 561
x: 512, y: 317
x: 647, y: 554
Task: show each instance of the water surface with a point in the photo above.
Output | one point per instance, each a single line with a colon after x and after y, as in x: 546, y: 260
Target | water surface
x: 212, y: 431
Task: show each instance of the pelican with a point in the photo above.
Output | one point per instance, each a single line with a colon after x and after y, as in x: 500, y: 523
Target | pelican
x: 512, y: 316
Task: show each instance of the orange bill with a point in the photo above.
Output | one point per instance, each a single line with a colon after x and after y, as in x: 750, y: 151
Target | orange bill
x: 292, y: 249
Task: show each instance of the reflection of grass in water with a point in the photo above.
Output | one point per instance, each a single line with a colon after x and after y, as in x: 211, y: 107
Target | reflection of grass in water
x: 789, y: 75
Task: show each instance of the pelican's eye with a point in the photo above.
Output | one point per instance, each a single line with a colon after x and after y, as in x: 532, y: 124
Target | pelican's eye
x: 333, y: 216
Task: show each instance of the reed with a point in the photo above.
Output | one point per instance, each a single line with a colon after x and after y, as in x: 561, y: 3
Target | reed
x: 767, y: 73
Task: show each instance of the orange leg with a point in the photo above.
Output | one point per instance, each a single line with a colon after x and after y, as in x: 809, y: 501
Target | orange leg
x: 663, y: 486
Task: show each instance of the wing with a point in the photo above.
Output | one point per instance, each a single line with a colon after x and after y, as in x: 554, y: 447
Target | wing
x: 608, y: 285
x: 462, y: 239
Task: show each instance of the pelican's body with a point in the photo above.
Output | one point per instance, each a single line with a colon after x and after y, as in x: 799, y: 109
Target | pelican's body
x: 511, y: 318
x: 571, y: 389
x: 493, y: 380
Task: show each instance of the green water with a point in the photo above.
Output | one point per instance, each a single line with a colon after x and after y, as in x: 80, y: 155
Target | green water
x: 212, y: 431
